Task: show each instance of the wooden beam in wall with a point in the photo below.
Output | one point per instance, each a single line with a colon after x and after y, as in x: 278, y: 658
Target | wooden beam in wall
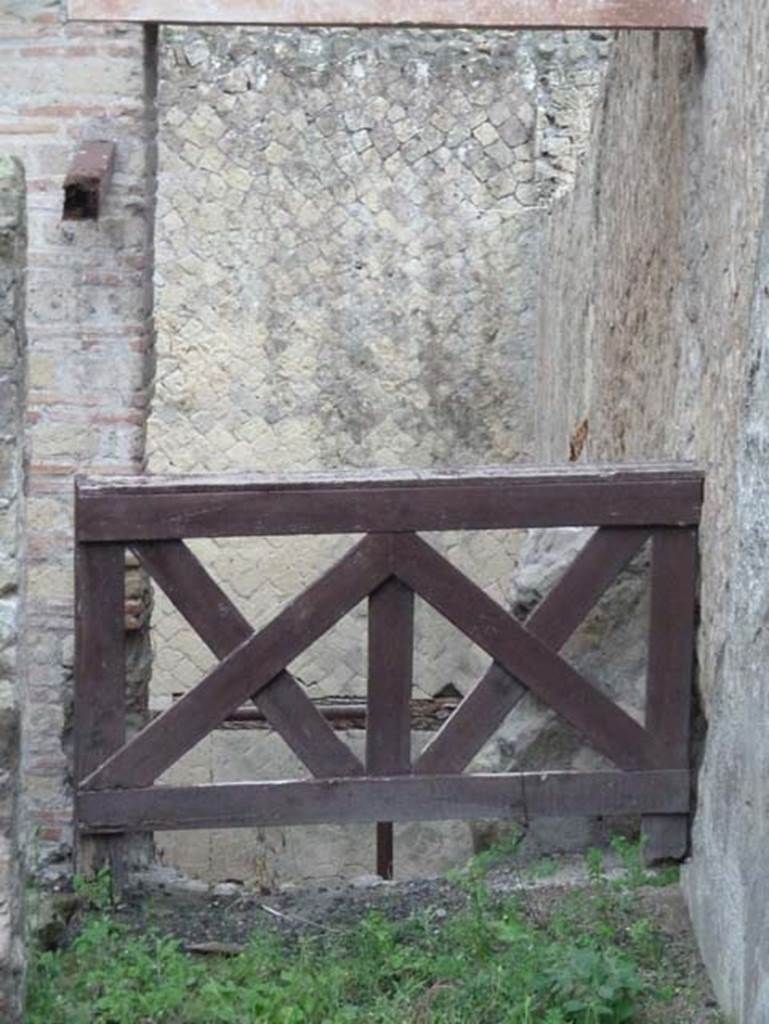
x: 87, y: 181
x: 503, y: 14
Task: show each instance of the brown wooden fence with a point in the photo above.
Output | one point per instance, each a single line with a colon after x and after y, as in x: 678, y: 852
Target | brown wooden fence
x: 116, y: 777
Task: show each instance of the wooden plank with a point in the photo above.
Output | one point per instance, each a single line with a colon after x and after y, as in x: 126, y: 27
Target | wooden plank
x: 507, y: 14
x: 671, y: 644
x: 100, y: 683
x: 385, y: 850
x: 476, y: 719
x: 326, y: 506
x: 354, y: 479
x: 428, y: 714
x: 390, y: 672
x: 488, y: 704
x: 193, y: 592
x: 294, y: 716
x: 402, y: 798
x: 251, y: 667
x: 664, y: 837
x: 222, y: 628
x: 670, y: 675
x: 100, y: 669
x: 553, y: 794
x: 585, y: 581
x: 605, y: 725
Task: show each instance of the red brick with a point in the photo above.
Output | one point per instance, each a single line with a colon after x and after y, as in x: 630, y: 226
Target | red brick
x: 58, y: 51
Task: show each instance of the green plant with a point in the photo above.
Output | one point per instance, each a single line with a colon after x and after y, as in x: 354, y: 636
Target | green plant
x: 592, y: 985
x: 487, y: 965
x: 595, y: 863
x: 544, y: 868
x: 645, y: 941
x: 593, y: 960
x: 95, y: 893
x: 631, y: 856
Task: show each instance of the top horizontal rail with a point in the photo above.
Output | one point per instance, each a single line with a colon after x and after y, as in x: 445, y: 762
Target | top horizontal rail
x: 503, y: 14
x: 351, y: 479
x: 161, y: 508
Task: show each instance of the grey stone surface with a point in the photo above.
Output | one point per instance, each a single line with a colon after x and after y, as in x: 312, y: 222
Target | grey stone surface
x: 12, y: 267
x: 349, y: 229
x: 654, y: 330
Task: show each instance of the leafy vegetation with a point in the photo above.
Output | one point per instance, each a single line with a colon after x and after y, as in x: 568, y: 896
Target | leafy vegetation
x: 592, y: 960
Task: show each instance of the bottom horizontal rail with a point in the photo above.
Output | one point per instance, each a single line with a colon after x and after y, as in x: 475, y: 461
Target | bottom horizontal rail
x: 403, y: 798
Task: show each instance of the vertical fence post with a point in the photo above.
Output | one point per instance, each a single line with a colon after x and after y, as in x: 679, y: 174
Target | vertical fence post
x: 669, y: 677
x: 100, y: 670
x: 388, y: 718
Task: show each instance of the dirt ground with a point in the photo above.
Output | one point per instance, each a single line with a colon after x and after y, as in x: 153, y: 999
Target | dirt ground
x: 219, y: 921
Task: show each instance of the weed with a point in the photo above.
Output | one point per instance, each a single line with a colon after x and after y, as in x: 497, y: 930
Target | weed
x: 631, y: 856
x: 489, y: 964
x: 95, y: 893
x: 545, y: 868
x: 596, y: 866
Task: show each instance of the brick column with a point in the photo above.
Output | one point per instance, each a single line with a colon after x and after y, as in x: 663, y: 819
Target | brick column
x: 90, y: 348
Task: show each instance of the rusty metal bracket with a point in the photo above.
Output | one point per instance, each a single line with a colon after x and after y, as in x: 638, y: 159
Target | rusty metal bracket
x: 87, y: 181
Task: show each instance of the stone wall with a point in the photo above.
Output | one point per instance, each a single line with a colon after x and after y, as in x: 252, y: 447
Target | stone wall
x: 654, y: 332
x: 385, y: 310
x: 349, y: 231
x: 12, y: 265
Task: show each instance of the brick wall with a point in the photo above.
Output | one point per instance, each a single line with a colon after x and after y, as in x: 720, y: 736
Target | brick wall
x: 88, y: 368
x: 89, y: 335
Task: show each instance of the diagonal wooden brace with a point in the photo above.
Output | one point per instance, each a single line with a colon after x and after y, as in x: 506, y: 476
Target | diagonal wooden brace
x: 606, y: 726
x: 488, y: 704
x: 247, y: 670
x: 222, y: 628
